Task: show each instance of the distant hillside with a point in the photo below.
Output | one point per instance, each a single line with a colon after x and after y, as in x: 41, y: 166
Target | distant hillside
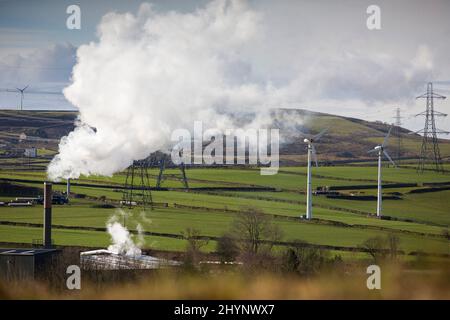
x: 42, y: 129
x: 348, y: 139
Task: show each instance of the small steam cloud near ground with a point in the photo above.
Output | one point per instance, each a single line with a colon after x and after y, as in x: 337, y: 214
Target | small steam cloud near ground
x: 122, y: 240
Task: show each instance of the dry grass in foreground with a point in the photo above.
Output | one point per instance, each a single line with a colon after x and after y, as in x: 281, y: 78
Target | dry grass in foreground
x: 396, y: 284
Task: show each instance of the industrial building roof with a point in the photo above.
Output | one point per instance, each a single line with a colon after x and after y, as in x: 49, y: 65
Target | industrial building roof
x: 25, y: 252
x: 107, y: 260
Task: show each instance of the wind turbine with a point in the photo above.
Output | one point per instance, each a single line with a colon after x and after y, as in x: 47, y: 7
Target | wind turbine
x: 22, y: 93
x: 311, y: 154
x: 21, y: 96
x: 380, y: 150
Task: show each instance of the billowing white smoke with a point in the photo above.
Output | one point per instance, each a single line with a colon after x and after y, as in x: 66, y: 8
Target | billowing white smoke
x: 150, y: 74
x: 122, y: 240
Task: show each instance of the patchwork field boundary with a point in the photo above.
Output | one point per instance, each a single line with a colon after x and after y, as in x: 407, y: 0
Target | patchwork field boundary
x: 113, y: 186
x: 322, y: 206
x: 322, y: 221
x: 215, y: 238
x: 318, y: 221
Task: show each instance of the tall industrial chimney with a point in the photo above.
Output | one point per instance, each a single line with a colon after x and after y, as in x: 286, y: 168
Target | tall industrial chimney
x: 47, y: 215
x: 68, y: 188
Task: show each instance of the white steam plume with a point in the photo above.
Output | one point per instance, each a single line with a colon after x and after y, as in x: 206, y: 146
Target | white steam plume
x: 122, y: 240
x: 150, y: 74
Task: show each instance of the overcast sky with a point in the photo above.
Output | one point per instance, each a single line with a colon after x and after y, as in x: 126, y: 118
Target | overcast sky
x: 317, y: 55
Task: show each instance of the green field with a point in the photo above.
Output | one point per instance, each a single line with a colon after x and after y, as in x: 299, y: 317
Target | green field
x: 420, y: 218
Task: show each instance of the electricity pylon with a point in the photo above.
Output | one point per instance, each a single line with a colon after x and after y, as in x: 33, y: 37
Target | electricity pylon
x: 429, y: 151
x: 136, y: 191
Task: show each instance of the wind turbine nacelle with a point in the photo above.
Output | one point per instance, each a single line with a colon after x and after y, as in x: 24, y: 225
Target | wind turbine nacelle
x: 306, y: 140
x: 378, y: 148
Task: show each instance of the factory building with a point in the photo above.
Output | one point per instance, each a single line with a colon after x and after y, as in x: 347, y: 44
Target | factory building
x: 107, y: 260
x: 30, y: 152
x: 24, y: 264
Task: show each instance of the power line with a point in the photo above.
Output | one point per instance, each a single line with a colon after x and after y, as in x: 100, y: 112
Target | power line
x: 21, y: 93
x: 36, y: 67
x: 31, y: 91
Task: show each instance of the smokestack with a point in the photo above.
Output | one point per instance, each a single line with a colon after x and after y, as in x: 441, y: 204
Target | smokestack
x: 47, y: 215
x: 68, y: 188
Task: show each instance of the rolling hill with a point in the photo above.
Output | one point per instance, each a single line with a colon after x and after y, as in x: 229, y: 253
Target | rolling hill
x: 347, y: 140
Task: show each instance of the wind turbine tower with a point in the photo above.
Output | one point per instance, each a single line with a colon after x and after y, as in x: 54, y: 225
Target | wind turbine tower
x: 21, y: 96
x: 380, y: 150
x: 310, y: 140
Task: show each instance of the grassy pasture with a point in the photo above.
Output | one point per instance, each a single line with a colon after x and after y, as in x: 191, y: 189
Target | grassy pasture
x: 213, y: 213
x: 174, y: 221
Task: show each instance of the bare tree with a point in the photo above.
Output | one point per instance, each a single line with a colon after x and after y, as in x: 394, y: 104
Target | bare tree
x: 393, y: 241
x: 304, y: 259
x: 375, y: 247
x: 251, y: 227
x: 193, y: 247
x: 381, y: 248
x: 227, y: 248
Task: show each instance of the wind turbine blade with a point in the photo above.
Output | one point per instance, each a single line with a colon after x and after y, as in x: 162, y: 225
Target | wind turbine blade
x: 314, y: 154
x: 320, y: 134
x: 386, y: 138
x: 389, y: 158
x: 25, y: 87
x: 372, y: 151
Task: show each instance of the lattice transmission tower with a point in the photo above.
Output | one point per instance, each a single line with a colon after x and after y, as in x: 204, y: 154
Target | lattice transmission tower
x: 429, y: 152
x: 136, y: 191
x: 161, y: 176
x: 161, y: 161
